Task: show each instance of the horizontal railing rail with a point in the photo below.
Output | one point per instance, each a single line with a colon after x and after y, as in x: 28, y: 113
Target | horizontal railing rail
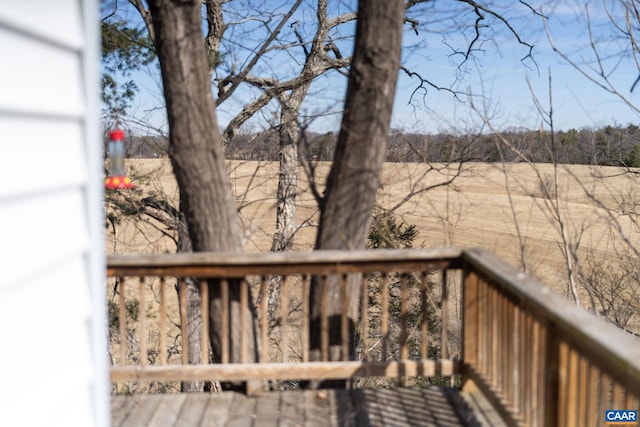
x: 404, y: 311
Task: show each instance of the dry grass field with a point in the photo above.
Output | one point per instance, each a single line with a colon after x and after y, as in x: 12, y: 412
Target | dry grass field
x: 509, y: 209
x: 480, y: 209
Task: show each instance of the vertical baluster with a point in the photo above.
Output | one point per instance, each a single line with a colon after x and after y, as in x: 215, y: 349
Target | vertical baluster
x: 525, y: 361
x: 572, y: 388
x: 563, y: 384
x: 498, y: 342
x: 501, y: 342
x: 264, y: 321
x: 284, y: 319
x: 344, y: 325
x: 493, y: 334
x: 122, y: 322
x: 306, y: 284
x: 604, y: 393
x: 204, y: 311
x: 182, y: 302
x: 482, y: 340
x: 593, y: 379
x: 472, y: 325
x: 142, y: 321
x: 163, y: 321
x: 444, y: 313
x: 507, y: 346
x: 324, y: 320
x: 424, y: 325
x: 364, y: 315
x: 244, y: 304
x: 619, y: 396
x: 385, y: 316
x: 582, y: 386
x: 540, y: 373
x: 224, y: 324
x: 515, y: 366
x: 548, y: 375
x: 404, y: 317
x: 631, y: 401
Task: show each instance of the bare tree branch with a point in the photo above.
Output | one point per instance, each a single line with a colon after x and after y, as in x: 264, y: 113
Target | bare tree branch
x: 237, y: 79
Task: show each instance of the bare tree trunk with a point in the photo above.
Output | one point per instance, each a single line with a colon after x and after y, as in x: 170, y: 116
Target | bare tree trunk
x: 288, y: 177
x: 287, y: 190
x: 196, y: 151
x: 355, y: 175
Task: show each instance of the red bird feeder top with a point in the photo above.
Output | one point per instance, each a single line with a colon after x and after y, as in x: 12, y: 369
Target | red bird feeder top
x: 117, y: 179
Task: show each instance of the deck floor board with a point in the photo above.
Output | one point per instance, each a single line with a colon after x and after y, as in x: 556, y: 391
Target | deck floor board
x: 315, y: 408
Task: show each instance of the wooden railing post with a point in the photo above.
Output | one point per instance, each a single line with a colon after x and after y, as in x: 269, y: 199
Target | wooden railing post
x: 470, y: 325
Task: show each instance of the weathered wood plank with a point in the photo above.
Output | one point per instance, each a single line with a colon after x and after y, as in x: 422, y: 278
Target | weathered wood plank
x: 217, y: 411
x: 243, y: 411
x: 168, y: 410
x: 142, y: 410
x: 309, y: 408
x: 292, y: 408
x: 389, y: 405
x: 484, y: 413
x: 363, y: 417
x: 121, y: 406
x: 316, y: 408
x: 192, y: 411
x: 265, y: 371
x: 317, y: 262
x: 268, y: 412
x: 343, y: 413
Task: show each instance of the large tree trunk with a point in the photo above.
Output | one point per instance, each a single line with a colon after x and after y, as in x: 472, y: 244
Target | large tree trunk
x: 355, y: 174
x: 196, y: 151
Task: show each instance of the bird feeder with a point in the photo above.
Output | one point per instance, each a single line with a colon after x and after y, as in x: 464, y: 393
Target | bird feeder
x: 117, y: 179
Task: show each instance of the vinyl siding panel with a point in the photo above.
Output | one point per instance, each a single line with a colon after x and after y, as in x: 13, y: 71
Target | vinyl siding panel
x: 39, y: 78
x: 41, y: 155
x: 43, y: 369
x: 53, y: 361
x: 43, y: 230
x: 55, y: 22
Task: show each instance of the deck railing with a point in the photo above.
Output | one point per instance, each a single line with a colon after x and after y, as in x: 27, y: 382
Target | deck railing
x: 405, y: 328
x: 539, y: 359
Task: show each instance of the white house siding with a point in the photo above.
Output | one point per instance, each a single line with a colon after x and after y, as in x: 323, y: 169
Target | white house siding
x: 53, y: 369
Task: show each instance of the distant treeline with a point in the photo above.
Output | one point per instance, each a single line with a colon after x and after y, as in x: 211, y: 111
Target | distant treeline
x: 610, y: 145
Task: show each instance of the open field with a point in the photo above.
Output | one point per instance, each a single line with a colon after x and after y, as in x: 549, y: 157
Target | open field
x: 481, y: 208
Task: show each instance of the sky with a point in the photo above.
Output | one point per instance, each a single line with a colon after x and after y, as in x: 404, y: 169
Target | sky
x: 495, y: 86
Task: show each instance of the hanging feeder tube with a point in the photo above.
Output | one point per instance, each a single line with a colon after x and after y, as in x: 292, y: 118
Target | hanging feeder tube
x: 117, y: 179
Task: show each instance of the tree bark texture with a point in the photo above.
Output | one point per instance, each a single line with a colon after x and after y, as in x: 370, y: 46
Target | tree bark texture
x: 287, y: 178
x: 355, y: 174
x: 196, y: 152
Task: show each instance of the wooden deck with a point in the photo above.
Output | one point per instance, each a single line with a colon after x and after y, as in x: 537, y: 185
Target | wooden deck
x: 359, y: 407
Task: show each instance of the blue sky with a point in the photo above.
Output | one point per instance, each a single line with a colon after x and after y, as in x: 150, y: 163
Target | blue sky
x: 496, y: 76
x: 499, y: 76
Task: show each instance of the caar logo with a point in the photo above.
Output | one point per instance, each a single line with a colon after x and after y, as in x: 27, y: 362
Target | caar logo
x: 621, y: 417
